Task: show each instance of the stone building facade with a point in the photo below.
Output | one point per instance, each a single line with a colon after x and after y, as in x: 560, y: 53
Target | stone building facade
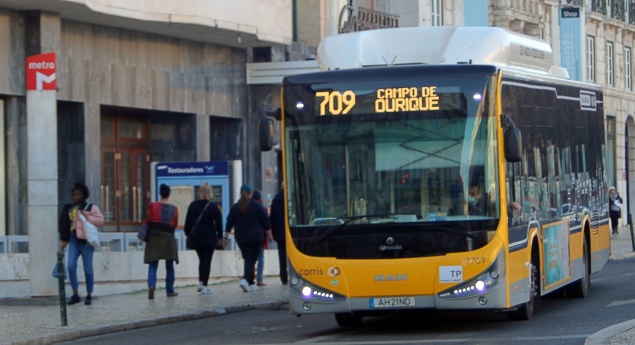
x: 137, y: 81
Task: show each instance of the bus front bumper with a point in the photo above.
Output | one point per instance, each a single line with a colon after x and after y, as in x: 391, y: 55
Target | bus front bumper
x: 495, y: 299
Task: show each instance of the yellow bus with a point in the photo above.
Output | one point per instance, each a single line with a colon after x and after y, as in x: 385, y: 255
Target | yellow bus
x: 444, y: 168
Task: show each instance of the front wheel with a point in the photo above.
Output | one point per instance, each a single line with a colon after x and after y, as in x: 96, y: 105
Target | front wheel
x: 526, y: 311
x: 580, y: 288
x: 348, y: 319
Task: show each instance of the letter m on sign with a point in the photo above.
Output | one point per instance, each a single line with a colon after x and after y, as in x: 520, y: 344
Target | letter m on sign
x: 41, y: 72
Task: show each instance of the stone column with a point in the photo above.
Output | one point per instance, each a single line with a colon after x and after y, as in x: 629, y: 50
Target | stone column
x: 203, y: 140
x: 43, y: 34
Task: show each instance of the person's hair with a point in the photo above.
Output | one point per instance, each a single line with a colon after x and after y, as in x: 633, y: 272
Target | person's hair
x: 243, y: 203
x: 257, y: 195
x: 478, y: 186
x: 206, y: 191
x: 164, y: 191
x: 80, y: 187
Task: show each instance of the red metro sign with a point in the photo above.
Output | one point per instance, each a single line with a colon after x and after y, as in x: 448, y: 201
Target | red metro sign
x: 40, y: 72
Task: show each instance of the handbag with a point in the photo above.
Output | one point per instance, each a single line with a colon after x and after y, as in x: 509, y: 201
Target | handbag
x: 81, y: 232
x: 92, y: 234
x: 55, y: 272
x: 188, y: 242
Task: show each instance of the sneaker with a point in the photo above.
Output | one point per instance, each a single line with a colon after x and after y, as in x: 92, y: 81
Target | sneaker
x: 172, y: 294
x: 253, y: 287
x: 244, y: 285
x: 74, y: 300
x: 206, y: 291
x: 261, y: 284
x: 88, y: 300
x: 200, y: 287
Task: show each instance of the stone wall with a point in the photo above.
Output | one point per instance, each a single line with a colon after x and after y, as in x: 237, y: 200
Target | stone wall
x: 117, y: 272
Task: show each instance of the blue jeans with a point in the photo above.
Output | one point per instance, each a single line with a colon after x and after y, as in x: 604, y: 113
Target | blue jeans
x: 169, y: 276
x: 75, y: 249
x: 261, y: 265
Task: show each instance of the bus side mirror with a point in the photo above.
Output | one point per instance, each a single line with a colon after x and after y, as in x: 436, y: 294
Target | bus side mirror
x: 266, y: 134
x: 513, y: 141
x: 513, y: 145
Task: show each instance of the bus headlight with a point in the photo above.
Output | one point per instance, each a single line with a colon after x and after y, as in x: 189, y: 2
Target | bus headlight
x: 310, y: 292
x: 481, y: 284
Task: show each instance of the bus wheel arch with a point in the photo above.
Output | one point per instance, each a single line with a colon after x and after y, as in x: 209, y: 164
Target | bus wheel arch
x: 526, y: 310
x: 580, y: 287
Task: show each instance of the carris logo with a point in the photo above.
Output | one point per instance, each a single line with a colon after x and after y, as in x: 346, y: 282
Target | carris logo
x: 390, y: 277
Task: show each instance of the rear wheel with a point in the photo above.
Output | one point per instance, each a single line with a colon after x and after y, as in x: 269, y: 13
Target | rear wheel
x: 580, y: 288
x: 348, y: 319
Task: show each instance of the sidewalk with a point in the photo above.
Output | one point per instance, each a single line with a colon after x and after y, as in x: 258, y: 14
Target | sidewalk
x: 623, y: 333
x: 38, y: 321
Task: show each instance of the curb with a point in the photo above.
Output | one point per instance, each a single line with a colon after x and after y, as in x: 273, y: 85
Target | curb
x: 91, y: 331
x: 604, y: 336
x: 625, y: 256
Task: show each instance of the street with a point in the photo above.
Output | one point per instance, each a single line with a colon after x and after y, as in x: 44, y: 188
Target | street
x: 557, y: 320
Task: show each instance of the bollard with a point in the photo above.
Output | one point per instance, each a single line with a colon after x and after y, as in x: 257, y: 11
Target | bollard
x: 62, y: 287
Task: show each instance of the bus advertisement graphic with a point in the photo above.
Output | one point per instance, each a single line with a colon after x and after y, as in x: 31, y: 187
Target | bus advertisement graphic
x: 556, y: 253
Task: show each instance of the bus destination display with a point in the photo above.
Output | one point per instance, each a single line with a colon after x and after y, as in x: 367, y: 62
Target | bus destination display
x: 385, y: 100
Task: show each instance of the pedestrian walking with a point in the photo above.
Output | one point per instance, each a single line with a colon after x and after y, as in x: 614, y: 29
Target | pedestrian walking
x: 248, y: 219
x: 277, y: 227
x: 260, y: 266
x: 72, y: 234
x: 162, y: 220
x: 204, y: 231
x: 615, y: 209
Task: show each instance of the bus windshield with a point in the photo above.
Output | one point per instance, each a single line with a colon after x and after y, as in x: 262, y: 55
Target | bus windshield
x: 380, y: 155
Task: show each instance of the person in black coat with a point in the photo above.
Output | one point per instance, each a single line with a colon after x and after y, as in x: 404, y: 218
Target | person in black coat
x: 615, y: 209
x: 277, y: 226
x: 248, y: 218
x: 204, y: 231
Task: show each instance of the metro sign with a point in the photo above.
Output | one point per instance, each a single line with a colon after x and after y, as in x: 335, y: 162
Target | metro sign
x: 40, y: 72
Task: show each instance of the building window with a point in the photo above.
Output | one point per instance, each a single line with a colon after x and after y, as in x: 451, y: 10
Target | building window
x: 611, y: 150
x: 628, y: 69
x: 437, y: 12
x: 610, y: 79
x: 590, y: 58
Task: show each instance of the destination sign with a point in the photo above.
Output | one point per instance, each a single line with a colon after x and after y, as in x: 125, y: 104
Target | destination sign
x: 385, y: 100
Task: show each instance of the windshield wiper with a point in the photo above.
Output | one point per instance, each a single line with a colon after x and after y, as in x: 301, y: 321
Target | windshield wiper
x: 468, y: 232
x: 348, y: 220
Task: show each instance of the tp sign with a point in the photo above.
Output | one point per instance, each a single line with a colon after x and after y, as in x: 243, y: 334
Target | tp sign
x: 40, y: 72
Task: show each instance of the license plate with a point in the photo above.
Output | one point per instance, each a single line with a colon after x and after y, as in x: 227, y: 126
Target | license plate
x: 392, y: 302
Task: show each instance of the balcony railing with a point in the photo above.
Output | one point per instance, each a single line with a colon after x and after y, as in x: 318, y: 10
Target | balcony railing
x: 623, y: 10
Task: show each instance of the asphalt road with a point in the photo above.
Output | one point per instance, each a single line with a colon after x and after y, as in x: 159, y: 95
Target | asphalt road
x: 557, y: 320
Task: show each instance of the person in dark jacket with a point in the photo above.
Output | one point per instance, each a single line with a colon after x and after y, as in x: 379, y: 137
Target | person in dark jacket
x: 70, y: 228
x: 248, y: 218
x: 204, y: 231
x: 277, y: 226
x: 163, y: 218
x: 615, y: 209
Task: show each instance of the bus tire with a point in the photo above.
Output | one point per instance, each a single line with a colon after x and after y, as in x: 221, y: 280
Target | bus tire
x: 580, y: 287
x: 526, y: 311
x: 348, y: 320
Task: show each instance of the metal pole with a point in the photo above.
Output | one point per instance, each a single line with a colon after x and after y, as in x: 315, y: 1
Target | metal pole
x: 630, y: 225
x: 629, y: 218
x: 62, y: 287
